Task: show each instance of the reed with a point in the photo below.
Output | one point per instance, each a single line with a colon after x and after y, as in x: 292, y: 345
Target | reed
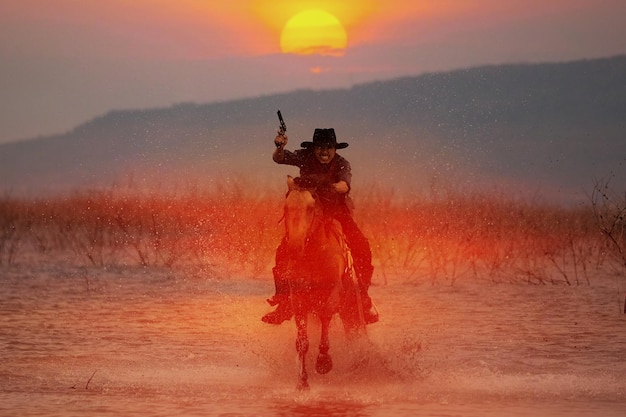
x: 609, y: 209
x: 235, y: 227
x: 481, y: 236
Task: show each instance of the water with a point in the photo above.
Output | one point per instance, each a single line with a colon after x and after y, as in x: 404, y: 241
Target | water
x: 138, y: 342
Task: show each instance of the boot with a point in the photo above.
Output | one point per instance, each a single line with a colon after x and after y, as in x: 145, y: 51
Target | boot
x: 364, y: 278
x: 370, y: 313
x: 283, y: 311
x: 281, y: 298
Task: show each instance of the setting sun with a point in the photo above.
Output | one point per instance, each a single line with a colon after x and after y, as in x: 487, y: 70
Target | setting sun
x: 313, y: 32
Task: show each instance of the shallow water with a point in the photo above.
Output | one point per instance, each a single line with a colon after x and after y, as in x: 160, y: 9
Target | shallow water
x: 147, y: 342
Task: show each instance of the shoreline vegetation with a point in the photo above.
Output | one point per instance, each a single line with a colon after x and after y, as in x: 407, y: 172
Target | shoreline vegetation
x: 235, y: 229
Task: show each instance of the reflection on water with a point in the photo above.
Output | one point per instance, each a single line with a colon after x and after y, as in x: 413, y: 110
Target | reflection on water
x: 150, y: 342
x: 318, y: 408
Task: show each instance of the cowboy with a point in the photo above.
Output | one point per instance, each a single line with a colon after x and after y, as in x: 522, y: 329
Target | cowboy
x: 324, y: 169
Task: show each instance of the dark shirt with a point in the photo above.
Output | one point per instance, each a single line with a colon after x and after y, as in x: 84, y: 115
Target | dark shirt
x: 321, y: 176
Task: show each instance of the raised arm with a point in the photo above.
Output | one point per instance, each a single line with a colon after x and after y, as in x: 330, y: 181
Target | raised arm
x: 280, y: 141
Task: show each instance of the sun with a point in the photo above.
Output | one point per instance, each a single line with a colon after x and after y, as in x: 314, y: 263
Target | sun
x: 313, y: 32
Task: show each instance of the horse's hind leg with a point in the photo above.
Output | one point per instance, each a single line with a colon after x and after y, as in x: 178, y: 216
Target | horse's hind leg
x: 302, y: 347
x: 324, y: 362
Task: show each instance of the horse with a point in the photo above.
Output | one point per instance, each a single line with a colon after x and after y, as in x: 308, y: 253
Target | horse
x: 320, y: 275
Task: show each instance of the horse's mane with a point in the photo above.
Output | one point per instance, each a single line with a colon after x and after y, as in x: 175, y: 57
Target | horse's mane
x: 320, y: 218
x: 302, y: 184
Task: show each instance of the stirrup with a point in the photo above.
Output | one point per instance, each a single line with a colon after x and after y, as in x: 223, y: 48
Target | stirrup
x: 273, y: 301
x: 283, y: 312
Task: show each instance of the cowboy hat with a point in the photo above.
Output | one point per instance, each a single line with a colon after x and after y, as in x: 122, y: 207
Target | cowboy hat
x: 324, y: 138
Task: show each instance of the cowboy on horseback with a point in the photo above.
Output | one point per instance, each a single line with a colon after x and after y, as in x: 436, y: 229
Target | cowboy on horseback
x: 330, y: 174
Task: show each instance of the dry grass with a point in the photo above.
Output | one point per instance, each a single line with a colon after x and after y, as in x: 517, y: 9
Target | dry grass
x: 483, y: 237
x: 236, y: 228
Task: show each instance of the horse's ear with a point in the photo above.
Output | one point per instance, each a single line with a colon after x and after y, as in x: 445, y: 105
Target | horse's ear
x: 291, y: 183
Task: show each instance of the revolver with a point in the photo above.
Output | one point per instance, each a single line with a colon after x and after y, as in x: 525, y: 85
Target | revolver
x: 283, y: 127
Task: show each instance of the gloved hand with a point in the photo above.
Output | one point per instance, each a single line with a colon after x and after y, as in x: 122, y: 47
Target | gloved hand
x: 340, y: 187
x: 281, y: 141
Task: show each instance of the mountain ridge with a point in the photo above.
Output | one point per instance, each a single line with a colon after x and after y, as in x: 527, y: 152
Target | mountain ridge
x: 553, y: 127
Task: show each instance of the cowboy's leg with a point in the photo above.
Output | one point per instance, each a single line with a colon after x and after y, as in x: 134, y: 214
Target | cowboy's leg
x: 362, y: 256
x: 281, y: 283
x: 359, y: 246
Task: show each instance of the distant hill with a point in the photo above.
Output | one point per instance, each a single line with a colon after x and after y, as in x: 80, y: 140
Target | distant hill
x: 540, y: 129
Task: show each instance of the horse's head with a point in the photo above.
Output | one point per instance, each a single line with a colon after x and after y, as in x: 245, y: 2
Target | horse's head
x: 300, y: 212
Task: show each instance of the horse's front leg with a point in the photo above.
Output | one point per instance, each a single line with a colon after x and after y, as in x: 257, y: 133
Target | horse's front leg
x: 302, y: 347
x: 324, y: 362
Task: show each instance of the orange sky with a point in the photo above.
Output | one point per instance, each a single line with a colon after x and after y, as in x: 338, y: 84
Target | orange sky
x: 63, y: 62
x: 211, y: 28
